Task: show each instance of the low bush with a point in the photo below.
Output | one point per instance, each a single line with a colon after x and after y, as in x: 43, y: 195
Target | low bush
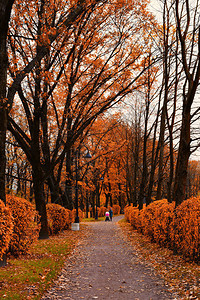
x: 127, y: 212
x: 163, y: 221
x: 134, y: 217
x: 6, y: 228
x: 26, y: 226
x: 58, y: 218
x: 150, y: 218
x: 185, y: 229
x: 116, y: 209
x: 102, y: 210
x: 178, y: 228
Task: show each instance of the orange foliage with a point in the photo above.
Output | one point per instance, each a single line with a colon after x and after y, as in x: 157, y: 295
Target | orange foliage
x: 57, y: 217
x: 6, y: 228
x: 149, y: 217
x: 164, y: 216
x: 134, y: 217
x: 185, y: 235
x: 70, y: 218
x: 26, y: 225
x: 127, y: 212
x: 80, y: 214
x: 102, y: 210
x: 116, y: 209
x: 178, y: 228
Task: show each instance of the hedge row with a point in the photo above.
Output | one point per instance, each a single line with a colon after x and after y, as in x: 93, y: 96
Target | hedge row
x: 26, y: 225
x: 20, y: 224
x: 177, y: 229
x: 6, y: 228
x: 60, y: 218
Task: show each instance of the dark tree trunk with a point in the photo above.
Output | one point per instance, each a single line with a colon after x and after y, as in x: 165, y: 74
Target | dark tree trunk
x: 38, y: 186
x: 87, y: 204
x: 93, y: 204
x: 54, y: 190
x: 161, y: 146
x: 183, y: 158
x: 110, y: 195
x: 107, y: 199
x: 5, y: 11
x: 191, y: 69
x: 67, y: 199
x: 120, y: 195
x: 143, y: 183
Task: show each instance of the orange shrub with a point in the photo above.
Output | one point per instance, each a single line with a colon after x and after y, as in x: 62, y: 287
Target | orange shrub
x: 26, y: 226
x: 163, y: 222
x: 127, y: 211
x: 148, y: 218
x: 185, y: 231
x: 175, y: 228
x: 134, y: 217
x: 57, y: 217
x: 116, y: 209
x: 6, y: 228
x: 102, y: 210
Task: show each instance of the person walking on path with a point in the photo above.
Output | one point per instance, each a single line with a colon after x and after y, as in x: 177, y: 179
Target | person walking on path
x: 107, y: 214
x: 111, y: 213
x: 105, y: 266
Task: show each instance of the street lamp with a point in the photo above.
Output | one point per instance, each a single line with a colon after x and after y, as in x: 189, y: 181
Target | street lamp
x: 75, y: 225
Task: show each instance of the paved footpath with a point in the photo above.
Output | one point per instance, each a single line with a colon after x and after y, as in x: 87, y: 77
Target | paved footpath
x: 105, y: 266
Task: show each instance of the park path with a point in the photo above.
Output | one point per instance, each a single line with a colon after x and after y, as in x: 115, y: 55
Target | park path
x: 105, y: 266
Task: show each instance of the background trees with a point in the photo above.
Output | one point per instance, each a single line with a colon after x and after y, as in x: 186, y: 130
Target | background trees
x: 68, y: 64
x: 80, y: 71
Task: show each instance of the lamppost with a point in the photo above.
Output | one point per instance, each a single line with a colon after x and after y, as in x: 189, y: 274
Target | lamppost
x: 76, y: 188
x: 75, y: 225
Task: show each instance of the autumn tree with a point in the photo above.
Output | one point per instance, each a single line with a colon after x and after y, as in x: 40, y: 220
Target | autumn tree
x: 5, y: 11
x: 29, y: 70
x: 187, y: 21
x: 88, y: 68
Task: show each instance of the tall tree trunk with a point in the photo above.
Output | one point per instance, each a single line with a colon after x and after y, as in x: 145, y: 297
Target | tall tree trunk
x: 143, y: 183
x: 5, y: 11
x: 54, y: 190
x: 38, y: 186
x: 161, y: 146
x: 191, y: 67
x: 183, y: 158
x: 120, y: 195
x: 107, y: 199
x: 110, y: 194
x: 67, y: 199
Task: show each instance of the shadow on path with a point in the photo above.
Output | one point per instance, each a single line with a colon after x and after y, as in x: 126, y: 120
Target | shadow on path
x: 105, y: 266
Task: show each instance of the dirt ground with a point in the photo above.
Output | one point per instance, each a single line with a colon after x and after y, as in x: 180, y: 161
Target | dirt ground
x: 105, y: 266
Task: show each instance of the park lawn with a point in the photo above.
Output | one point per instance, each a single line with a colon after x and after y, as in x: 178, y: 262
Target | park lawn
x: 29, y: 276
x: 182, y: 277
x: 93, y: 219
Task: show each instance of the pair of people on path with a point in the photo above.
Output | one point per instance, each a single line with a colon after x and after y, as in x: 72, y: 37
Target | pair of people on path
x: 109, y: 215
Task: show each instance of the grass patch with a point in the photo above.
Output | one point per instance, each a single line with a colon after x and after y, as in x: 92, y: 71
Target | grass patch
x: 182, y: 277
x: 29, y: 276
x: 93, y: 219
